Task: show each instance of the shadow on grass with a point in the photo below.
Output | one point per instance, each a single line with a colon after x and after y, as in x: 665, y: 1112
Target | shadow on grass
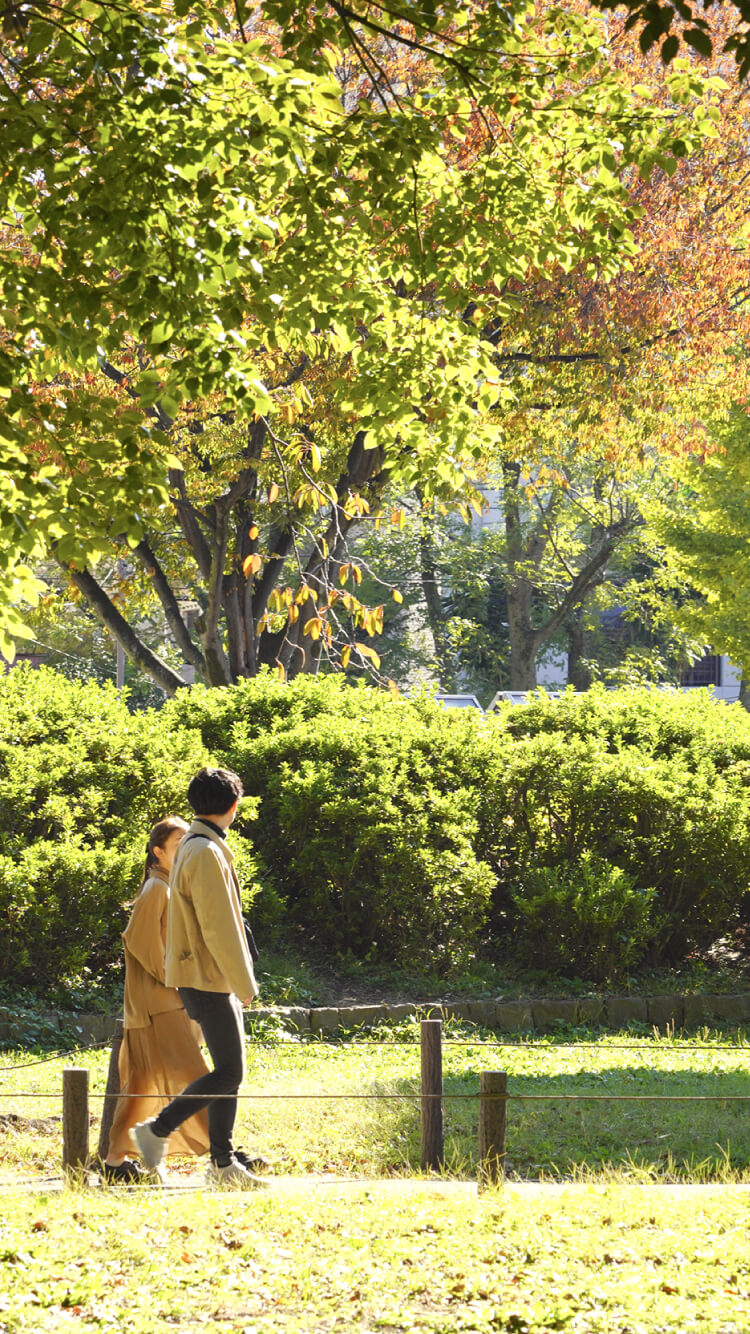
x: 580, y: 1137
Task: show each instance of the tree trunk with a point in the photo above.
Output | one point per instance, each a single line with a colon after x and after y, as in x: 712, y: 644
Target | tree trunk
x: 430, y: 577
x: 523, y: 648
x: 579, y: 675
x: 523, y: 640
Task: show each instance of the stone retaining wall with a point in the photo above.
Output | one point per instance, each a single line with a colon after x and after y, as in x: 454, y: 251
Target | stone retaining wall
x: 516, y: 1016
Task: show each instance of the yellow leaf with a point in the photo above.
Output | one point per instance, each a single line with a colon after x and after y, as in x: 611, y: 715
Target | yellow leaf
x: 251, y: 564
x: 293, y: 613
x: 280, y: 672
x: 273, y: 492
x: 368, y: 652
x: 344, y: 573
x: 395, y: 692
x: 346, y: 653
x: 397, y: 597
x: 315, y: 458
x: 357, y: 574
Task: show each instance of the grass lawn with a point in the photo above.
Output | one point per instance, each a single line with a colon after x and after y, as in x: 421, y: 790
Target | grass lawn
x: 601, y: 1254
x: 622, y: 1259
x: 629, y: 1140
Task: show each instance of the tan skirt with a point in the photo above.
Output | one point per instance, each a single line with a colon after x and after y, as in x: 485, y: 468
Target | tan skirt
x: 155, y: 1064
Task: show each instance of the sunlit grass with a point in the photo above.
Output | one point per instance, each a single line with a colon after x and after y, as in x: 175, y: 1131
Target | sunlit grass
x: 591, y: 1260
x: 548, y: 1139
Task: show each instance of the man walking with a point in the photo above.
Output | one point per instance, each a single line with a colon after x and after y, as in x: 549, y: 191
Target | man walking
x: 209, y: 962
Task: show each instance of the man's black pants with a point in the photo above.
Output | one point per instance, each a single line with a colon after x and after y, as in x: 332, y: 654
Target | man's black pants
x: 220, y: 1017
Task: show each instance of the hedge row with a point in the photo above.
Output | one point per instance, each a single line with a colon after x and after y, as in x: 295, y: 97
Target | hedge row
x: 586, y: 835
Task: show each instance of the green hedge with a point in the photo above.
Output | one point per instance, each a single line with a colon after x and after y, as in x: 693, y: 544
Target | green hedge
x: 588, y: 835
x: 655, y: 782
x: 81, y: 782
x: 369, y: 809
x: 366, y: 826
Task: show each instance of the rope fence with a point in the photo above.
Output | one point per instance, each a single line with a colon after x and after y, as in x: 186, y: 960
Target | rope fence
x: 532, y: 1044
x: 492, y: 1097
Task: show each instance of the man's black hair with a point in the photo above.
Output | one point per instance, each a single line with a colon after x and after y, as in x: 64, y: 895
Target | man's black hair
x: 213, y: 791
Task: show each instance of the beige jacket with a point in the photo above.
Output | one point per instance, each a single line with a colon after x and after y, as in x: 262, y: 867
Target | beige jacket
x: 144, y: 938
x: 206, y: 945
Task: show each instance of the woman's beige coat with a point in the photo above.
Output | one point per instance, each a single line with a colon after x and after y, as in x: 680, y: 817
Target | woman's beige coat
x: 206, y: 945
x: 160, y: 1053
x: 145, y: 991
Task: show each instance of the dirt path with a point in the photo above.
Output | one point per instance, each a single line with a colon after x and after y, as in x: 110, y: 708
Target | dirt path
x: 383, y: 1186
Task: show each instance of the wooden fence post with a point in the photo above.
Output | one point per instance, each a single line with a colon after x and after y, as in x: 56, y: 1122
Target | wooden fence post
x: 75, y: 1120
x: 432, y: 1094
x: 493, y: 1106
x: 111, y: 1091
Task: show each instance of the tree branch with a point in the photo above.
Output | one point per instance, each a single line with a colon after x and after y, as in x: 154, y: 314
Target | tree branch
x: 115, y: 622
x: 170, y: 605
x: 585, y: 579
x: 188, y: 520
x: 217, y: 664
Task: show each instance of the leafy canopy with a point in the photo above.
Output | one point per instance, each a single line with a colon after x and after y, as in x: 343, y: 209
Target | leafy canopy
x: 180, y: 198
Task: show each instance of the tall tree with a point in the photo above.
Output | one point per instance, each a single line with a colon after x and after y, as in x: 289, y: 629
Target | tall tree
x: 706, y: 540
x: 519, y: 586
x: 205, y: 236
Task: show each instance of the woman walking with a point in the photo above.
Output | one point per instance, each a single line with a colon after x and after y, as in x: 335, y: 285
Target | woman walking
x: 160, y: 1052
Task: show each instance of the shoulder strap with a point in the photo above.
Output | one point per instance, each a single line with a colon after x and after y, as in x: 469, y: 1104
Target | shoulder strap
x: 251, y: 945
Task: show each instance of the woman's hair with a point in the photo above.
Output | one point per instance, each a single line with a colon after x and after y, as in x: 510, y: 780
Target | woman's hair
x: 156, y: 839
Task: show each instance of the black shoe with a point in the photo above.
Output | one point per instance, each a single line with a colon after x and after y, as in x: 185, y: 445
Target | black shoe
x: 251, y: 1164
x: 127, y: 1173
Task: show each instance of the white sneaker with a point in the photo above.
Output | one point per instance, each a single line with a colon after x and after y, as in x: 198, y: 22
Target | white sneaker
x: 151, y: 1147
x: 234, y: 1177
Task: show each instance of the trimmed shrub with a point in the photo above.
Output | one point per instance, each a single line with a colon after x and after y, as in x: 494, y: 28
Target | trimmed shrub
x: 588, y: 833
x: 586, y: 919
x: 672, y: 811
x: 366, y: 819
x: 81, y: 782
x: 653, y: 783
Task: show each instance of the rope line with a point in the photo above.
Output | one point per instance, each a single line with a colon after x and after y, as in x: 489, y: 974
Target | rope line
x: 522, y: 1045
x: 418, y: 1096
x: 54, y: 1056
x: 530, y: 1045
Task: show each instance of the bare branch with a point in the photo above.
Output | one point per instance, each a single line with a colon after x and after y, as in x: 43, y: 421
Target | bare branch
x: 170, y: 605
x: 138, y: 652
